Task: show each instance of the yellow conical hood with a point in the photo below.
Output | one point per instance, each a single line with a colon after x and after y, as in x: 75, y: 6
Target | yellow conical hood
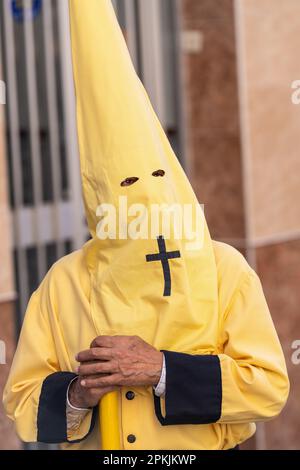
x: 163, y: 289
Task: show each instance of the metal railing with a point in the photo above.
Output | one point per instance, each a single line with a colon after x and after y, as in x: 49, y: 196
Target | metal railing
x: 41, y: 140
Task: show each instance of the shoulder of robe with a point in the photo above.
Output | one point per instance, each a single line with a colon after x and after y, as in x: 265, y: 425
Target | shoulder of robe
x: 233, y: 270
x: 69, y: 272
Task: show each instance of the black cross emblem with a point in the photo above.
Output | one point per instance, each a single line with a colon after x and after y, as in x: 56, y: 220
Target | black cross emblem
x: 163, y: 256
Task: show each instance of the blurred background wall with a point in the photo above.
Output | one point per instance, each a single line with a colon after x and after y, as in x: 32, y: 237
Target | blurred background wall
x: 7, y: 291
x: 220, y: 75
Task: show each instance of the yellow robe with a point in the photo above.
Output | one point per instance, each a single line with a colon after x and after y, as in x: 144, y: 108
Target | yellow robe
x: 59, y: 322
x: 225, y: 366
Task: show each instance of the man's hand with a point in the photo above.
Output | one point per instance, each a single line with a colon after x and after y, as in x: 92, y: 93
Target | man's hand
x: 116, y: 361
x: 81, y: 397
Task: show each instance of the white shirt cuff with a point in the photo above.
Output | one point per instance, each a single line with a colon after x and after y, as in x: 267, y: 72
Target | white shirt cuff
x: 160, y: 390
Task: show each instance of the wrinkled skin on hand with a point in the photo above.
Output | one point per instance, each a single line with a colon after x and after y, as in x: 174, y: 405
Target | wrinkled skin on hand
x: 113, y: 362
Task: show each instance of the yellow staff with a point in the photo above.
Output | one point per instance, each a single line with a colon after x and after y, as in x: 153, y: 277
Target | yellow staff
x: 109, y: 422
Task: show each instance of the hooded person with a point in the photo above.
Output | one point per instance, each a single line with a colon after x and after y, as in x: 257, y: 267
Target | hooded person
x: 193, y: 304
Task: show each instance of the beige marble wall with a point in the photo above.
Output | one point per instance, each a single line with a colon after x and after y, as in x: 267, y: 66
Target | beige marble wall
x: 242, y: 147
x: 279, y: 268
x: 270, y: 36
x: 8, y: 438
x: 268, y: 41
x: 210, y: 92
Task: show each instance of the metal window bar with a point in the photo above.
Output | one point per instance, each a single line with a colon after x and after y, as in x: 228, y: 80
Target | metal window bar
x: 34, y: 131
x: 53, y: 122
x: 131, y: 31
x: 152, y: 60
x: 79, y: 229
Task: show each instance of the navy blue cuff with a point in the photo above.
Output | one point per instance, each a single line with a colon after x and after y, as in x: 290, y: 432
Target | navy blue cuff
x: 52, y: 411
x: 193, y: 390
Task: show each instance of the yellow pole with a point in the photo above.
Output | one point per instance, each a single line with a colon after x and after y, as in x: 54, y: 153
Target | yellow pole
x: 109, y: 422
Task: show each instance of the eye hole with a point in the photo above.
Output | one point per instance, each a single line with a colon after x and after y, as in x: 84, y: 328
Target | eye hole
x: 129, y: 181
x: 159, y: 173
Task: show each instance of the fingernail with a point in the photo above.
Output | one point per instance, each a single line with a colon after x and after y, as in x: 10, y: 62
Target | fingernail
x: 76, y: 357
x: 83, y: 383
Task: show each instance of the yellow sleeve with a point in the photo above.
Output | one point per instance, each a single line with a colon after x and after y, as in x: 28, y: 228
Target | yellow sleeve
x: 255, y: 383
x: 246, y: 382
x: 35, y: 396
